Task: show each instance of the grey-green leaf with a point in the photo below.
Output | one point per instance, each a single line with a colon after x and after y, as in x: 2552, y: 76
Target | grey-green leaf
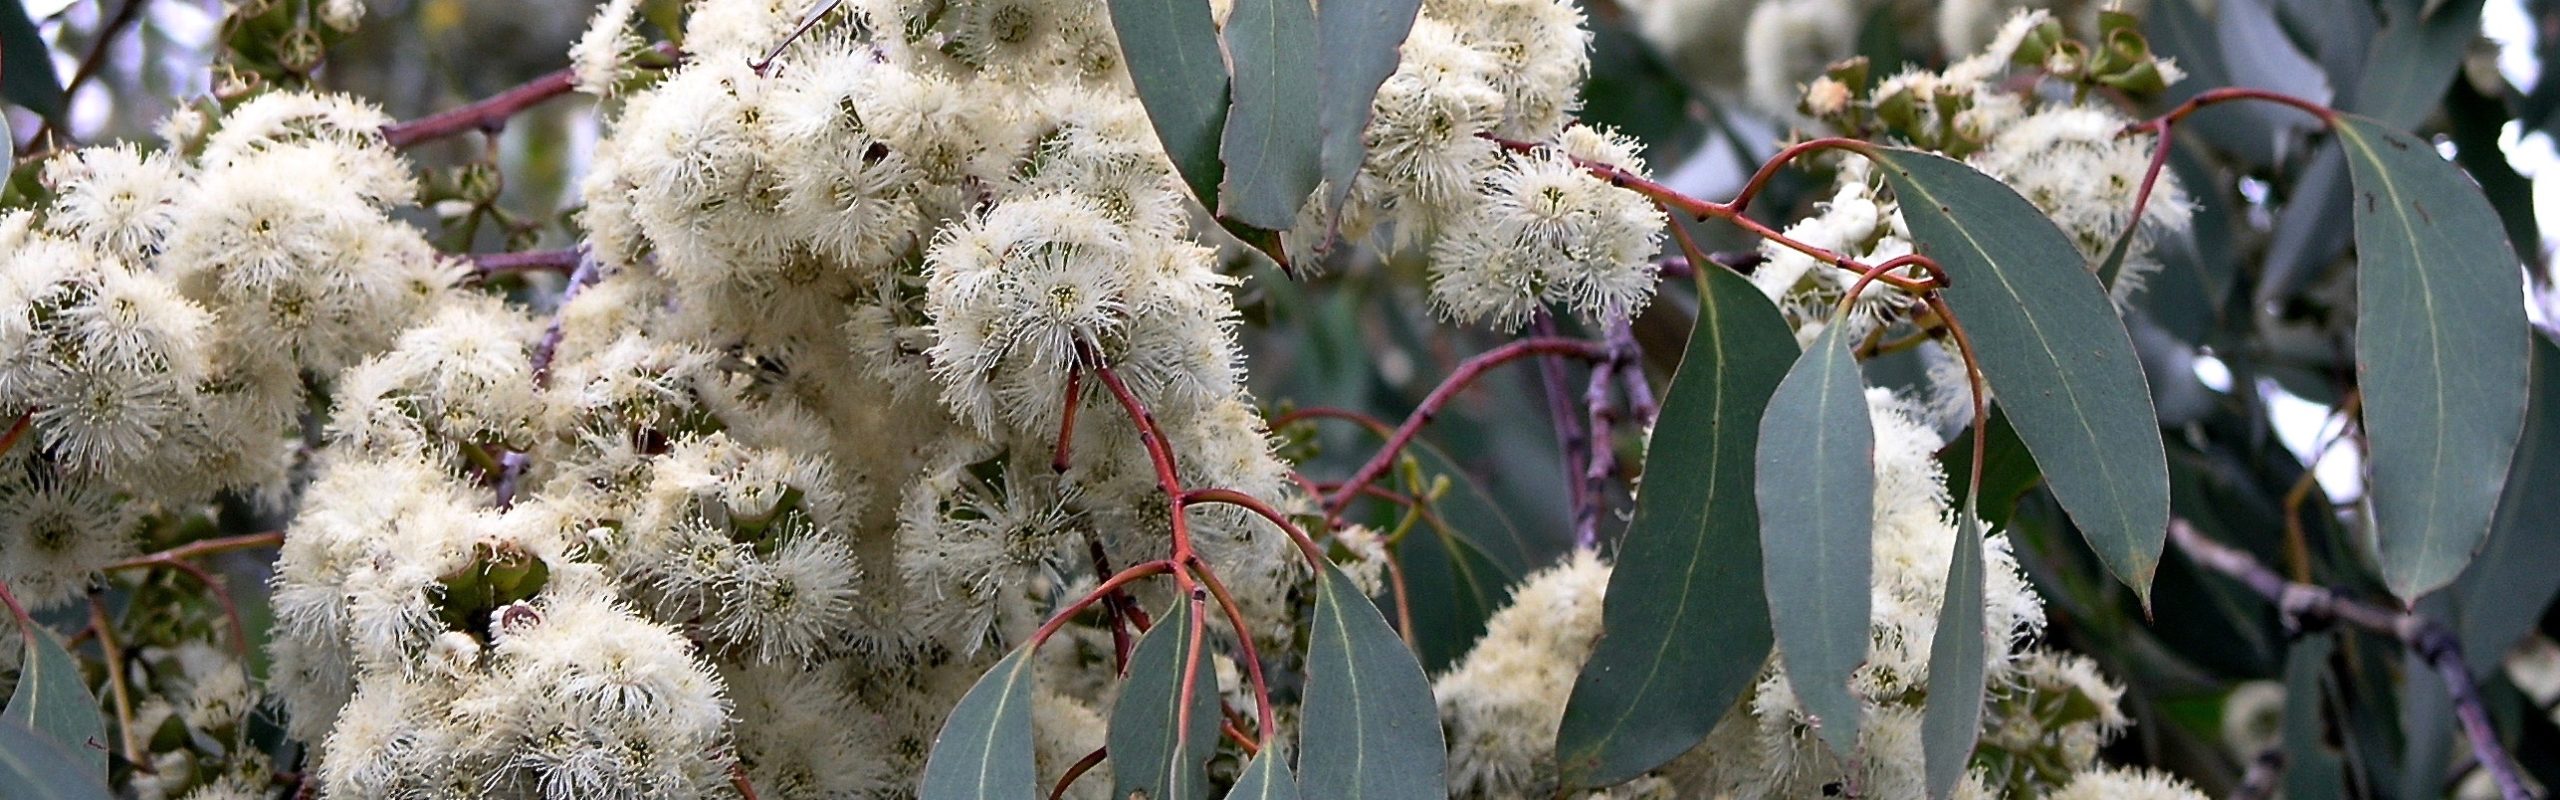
x: 1953, y: 717
x: 1816, y: 495
x: 1153, y: 754
x: 1370, y: 730
x: 1686, y: 626
x: 35, y: 767
x: 1359, y: 42
x: 984, y: 749
x: 2441, y: 350
x: 1270, y: 147
x: 1267, y: 778
x: 55, y: 700
x: 2518, y: 572
x: 2057, y: 356
x: 1171, y: 48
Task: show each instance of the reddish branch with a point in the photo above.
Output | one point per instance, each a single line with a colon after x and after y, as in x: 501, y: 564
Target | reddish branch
x: 1458, y: 379
x: 536, y: 261
x: 2308, y: 607
x: 488, y: 114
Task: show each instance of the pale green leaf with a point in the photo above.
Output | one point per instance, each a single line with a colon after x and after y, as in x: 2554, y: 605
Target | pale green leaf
x: 1816, y: 495
x: 1267, y: 778
x: 1171, y: 48
x: 1686, y: 624
x: 1271, y: 145
x: 55, y: 700
x: 2441, y: 352
x: 1953, y: 717
x: 2058, y: 358
x: 1152, y: 753
x: 1370, y: 730
x: 984, y: 750
x: 1359, y: 43
x: 35, y: 767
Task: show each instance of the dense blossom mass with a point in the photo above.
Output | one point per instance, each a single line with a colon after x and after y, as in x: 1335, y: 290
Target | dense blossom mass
x: 773, y: 484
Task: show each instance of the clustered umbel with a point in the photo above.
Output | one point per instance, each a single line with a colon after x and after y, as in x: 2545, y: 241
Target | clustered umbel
x: 2070, y: 158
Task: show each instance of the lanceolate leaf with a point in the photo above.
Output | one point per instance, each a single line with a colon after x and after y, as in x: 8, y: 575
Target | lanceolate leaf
x: 1816, y: 495
x: 35, y: 767
x: 2057, y: 357
x: 1267, y: 778
x: 1152, y: 753
x: 1359, y: 42
x: 2440, y: 353
x: 1171, y: 47
x: 1953, y: 717
x: 984, y: 749
x: 2518, y: 571
x: 55, y: 701
x: 1369, y: 729
x: 1686, y: 623
x: 1271, y: 146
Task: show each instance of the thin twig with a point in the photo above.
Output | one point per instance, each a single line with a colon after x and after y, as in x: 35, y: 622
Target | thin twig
x: 200, y: 549
x: 1571, y: 441
x: 116, y: 691
x: 2305, y: 606
x: 1458, y: 379
x: 488, y: 264
x: 89, y: 64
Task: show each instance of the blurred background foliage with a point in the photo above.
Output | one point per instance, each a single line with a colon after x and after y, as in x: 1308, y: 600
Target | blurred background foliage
x: 2246, y: 337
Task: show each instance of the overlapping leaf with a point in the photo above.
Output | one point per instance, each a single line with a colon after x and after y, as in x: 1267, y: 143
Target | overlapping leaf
x: 1171, y: 47
x: 1685, y: 619
x: 1271, y: 146
x: 984, y: 751
x: 1370, y: 728
x: 1359, y: 42
x: 1153, y: 754
x: 2441, y: 349
x: 1953, y: 718
x: 1267, y: 778
x: 1816, y: 495
x: 2057, y: 357
x: 54, y: 700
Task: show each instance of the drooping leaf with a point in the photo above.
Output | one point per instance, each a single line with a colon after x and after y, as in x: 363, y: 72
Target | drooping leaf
x: 1266, y: 778
x: 2518, y: 571
x: 1953, y: 717
x: 2057, y: 357
x: 26, y: 65
x: 984, y: 750
x: 1171, y: 48
x: 1270, y: 146
x: 1360, y: 43
x: 1153, y: 754
x: 1816, y: 495
x: 1369, y: 728
x: 1685, y: 621
x: 34, y: 766
x: 2441, y: 351
x: 53, y: 699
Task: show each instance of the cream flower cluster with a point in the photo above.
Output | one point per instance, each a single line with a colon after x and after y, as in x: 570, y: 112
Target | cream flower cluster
x: 1508, y: 233
x: 156, y: 317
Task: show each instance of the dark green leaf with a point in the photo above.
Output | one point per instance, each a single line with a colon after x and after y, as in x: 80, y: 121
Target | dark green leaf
x: 2518, y: 571
x: 1359, y: 41
x: 54, y: 699
x: 2054, y: 351
x: 1816, y: 495
x: 1953, y: 717
x: 35, y: 767
x: 2478, y: 120
x: 1153, y: 753
x: 1452, y: 587
x: 26, y: 65
x: 1171, y: 47
x: 2179, y: 30
x: 1686, y: 622
x: 1270, y: 149
x: 2312, y: 766
x: 2008, y: 470
x: 2441, y: 350
x: 1266, y: 778
x: 1632, y: 90
x: 2412, y: 60
x: 984, y: 750
x: 1370, y: 730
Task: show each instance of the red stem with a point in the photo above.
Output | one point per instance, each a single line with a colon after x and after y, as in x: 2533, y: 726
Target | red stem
x: 536, y: 261
x: 1306, y: 544
x: 1457, y: 381
x: 1076, y: 771
x: 487, y: 114
x: 1067, y: 419
x: 1126, y: 577
x: 1244, y: 641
